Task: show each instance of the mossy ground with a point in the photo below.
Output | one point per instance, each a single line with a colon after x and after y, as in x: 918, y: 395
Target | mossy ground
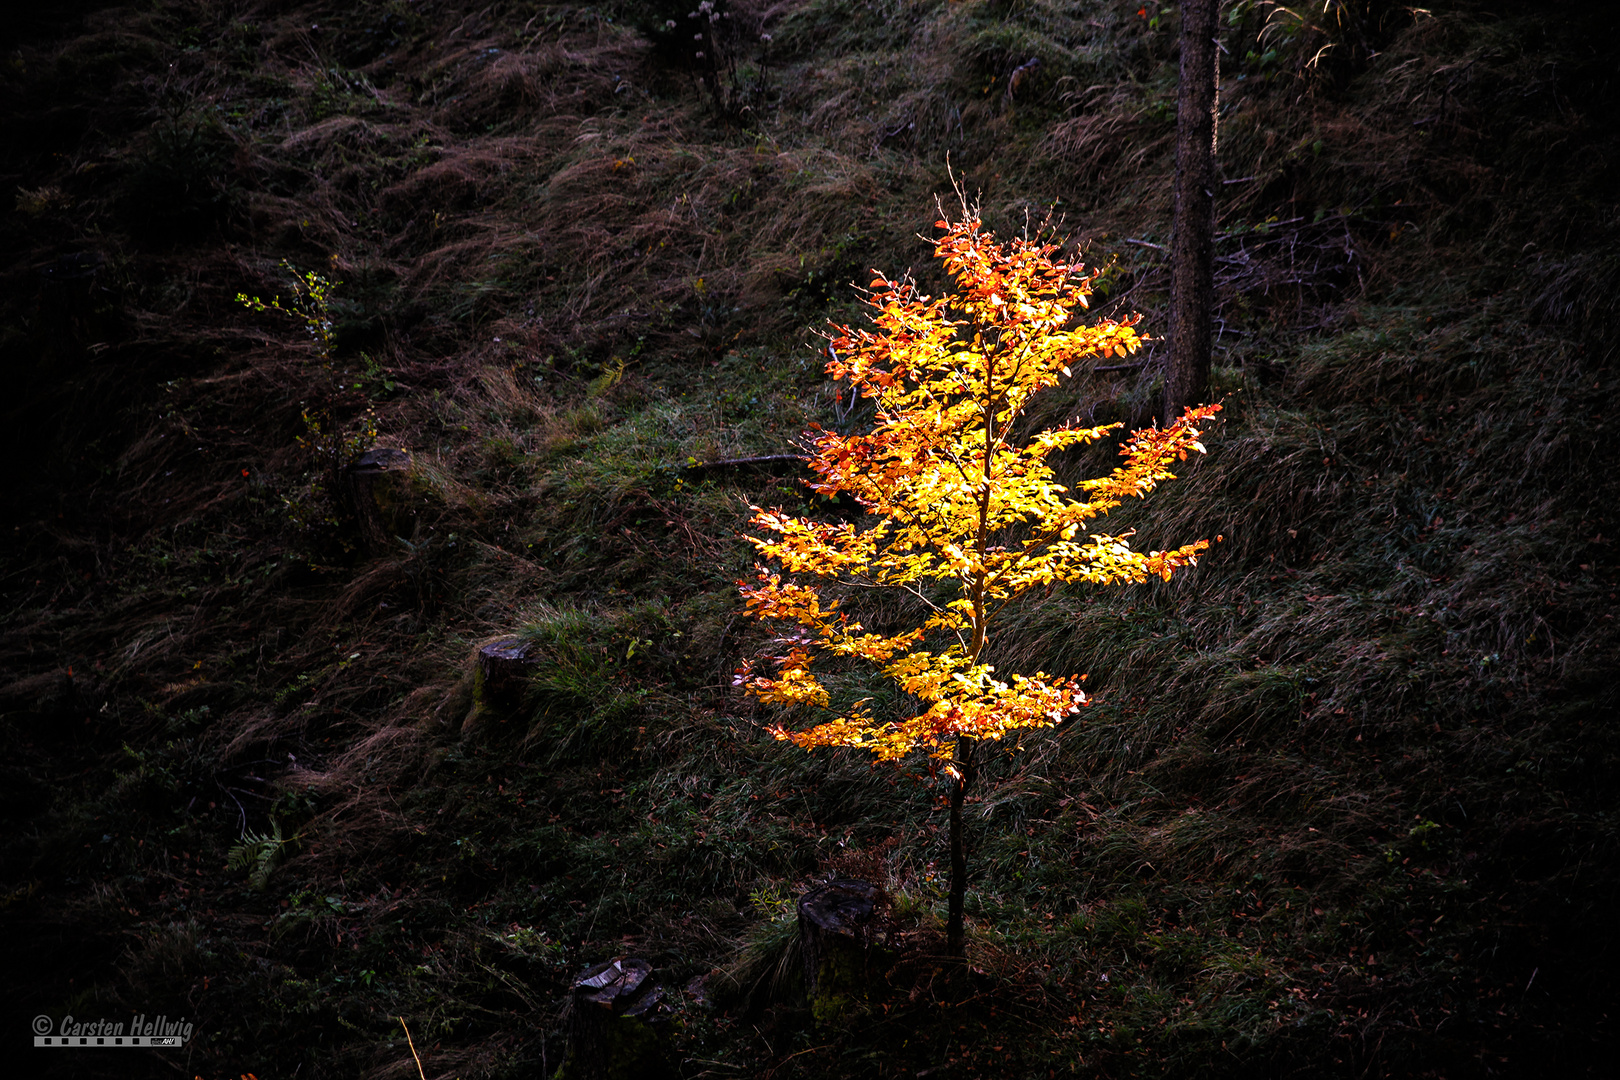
x: 1344, y: 804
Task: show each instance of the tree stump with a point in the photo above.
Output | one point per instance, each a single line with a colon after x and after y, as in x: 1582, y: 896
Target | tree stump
x: 611, y: 1017
x: 379, y: 494
x: 501, y: 670
x: 841, y: 930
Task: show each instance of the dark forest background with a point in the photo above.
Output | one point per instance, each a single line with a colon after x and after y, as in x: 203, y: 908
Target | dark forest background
x: 1344, y: 804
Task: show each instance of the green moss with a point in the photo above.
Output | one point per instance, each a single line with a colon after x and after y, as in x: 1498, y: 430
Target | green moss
x: 633, y: 1050
x: 849, y: 981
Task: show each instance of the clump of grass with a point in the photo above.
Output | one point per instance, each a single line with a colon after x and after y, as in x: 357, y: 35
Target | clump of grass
x: 180, y: 186
x: 768, y: 970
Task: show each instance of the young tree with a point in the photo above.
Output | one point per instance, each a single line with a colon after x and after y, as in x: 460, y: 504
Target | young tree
x: 965, y: 514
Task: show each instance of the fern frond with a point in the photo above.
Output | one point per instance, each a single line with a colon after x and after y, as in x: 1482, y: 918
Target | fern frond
x: 258, y: 853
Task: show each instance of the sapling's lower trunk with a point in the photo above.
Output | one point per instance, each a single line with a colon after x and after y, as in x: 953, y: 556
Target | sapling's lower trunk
x: 955, y: 936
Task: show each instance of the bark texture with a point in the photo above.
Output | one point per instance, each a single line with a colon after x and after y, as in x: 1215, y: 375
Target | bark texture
x: 841, y: 927
x: 378, y: 483
x: 1192, y: 244
x: 501, y: 672
x: 955, y: 932
x: 612, y: 1014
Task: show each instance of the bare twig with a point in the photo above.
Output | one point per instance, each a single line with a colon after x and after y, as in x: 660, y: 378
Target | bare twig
x: 241, y: 810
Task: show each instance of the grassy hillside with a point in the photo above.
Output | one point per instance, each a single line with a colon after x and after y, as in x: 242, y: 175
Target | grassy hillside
x: 1344, y: 804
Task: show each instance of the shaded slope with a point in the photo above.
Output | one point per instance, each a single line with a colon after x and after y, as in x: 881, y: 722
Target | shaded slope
x: 1344, y: 803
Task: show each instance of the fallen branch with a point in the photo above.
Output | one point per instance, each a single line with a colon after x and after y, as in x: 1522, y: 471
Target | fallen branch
x: 747, y: 462
x: 775, y: 463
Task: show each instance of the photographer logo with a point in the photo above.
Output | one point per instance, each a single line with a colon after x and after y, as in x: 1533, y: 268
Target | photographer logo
x: 157, y: 1032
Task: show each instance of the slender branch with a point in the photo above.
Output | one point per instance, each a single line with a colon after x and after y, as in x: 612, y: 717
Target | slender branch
x: 412, y: 1043
x: 901, y: 585
x: 746, y: 462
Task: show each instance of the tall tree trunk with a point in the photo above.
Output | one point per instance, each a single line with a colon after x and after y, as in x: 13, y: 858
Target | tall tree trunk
x: 955, y: 934
x: 1192, y: 245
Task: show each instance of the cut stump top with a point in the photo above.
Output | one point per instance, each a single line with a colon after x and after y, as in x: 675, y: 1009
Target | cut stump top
x: 380, y: 459
x: 620, y: 986
x: 843, y: 907
x: 507, y: 650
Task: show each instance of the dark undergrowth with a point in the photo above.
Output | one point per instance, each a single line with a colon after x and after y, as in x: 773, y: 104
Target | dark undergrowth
x: 1344, y: 801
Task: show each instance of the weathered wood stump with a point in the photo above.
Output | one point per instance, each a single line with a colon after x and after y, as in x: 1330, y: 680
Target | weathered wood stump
x: 842, y: 932
x: 611, y: 1024
x: 501, y: 671
x: 379, y: 493
x: 504, y: 666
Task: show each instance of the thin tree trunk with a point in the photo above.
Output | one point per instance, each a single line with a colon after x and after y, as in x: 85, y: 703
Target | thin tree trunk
x: 955, y: 934
x: 1192, y: 245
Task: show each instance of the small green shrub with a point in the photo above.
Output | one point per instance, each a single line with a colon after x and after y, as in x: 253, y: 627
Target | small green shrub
x: 331, y: 443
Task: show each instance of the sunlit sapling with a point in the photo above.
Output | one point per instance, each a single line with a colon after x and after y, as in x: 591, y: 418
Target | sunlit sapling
x: 969, y: 515
x: 311, y: 305
x: 331, y: 448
